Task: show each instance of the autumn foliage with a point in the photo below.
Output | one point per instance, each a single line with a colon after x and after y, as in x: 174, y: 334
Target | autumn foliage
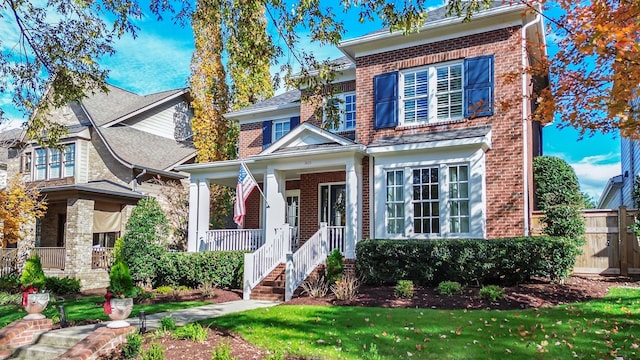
x: 19, y: 204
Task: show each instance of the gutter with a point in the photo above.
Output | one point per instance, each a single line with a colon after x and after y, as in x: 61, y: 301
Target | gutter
x: 525, y: 116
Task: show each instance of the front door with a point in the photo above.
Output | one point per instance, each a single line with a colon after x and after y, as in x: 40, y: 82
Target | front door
x: 332, y: 204
x: 293, y: 215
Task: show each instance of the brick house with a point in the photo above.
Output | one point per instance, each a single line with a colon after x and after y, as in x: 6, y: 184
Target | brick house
x: 118, y: 145
x: 434, y: 142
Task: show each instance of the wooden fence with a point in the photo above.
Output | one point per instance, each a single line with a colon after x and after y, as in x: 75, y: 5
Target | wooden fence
x: 607, y: 251
x: 8, y: 261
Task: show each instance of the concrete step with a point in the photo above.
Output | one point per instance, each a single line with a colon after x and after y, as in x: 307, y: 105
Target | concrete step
x: 268, y: 297
x: 38, y: 352
x: 53, y: 343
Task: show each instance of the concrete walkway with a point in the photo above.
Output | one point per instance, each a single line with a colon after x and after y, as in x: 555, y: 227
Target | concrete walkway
x: 182, y: 316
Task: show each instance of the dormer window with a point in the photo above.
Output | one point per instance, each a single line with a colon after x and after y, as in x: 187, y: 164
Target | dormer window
x: 272, y: 130
x: 54, y: 163
x: 281, y: 128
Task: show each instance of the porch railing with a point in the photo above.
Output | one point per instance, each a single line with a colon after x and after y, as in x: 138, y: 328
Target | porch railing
x: 233, y: 239
x: 311, y: 254
x: 336, y: 238
x: 51, y: 257
x: 8, y: 261
x: 101, y: 258
x: 258, y: 264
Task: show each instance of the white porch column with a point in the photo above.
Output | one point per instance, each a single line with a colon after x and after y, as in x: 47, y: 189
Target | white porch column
x: 274, y: 191
x: 192, y: 230
x: 353, y: 207
x: 203, y: 212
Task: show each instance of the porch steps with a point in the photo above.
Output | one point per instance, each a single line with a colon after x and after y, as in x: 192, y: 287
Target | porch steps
x: 52, y: 344
x: 272, y: 287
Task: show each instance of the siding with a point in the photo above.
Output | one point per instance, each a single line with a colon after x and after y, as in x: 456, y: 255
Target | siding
x: 630, y: 159
x: 82, y: 161
x: 171, y: 120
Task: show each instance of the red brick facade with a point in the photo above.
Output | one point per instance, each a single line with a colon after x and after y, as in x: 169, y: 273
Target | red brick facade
x: 505, y: 174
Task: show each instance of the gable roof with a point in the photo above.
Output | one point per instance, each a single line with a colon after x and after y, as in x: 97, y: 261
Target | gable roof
x: 141, y: 149
x: 119, y: 104
x: 287, y: 99
x: 306, y: 136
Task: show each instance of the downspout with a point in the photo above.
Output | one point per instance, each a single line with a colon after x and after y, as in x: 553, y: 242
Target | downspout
x: 134, y: 186
x: 632, y: 177
x: 525, y: 115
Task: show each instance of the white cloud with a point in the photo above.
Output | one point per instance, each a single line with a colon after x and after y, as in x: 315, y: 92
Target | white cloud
x: 594, y: 171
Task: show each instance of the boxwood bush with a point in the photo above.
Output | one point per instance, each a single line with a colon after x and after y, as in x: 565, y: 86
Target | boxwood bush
x: 221, y: 268
x: 504, y: 261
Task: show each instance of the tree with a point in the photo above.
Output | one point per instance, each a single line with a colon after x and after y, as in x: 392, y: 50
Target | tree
x: 595, y: 75
x: 557, y: 193
x: 19, y: 204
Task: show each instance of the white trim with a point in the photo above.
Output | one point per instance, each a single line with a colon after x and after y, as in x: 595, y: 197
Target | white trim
x: 264, y: 113
x: 297, y: 131
x: 434, y: 31
x: 473, y: 158
x: 483, y: 141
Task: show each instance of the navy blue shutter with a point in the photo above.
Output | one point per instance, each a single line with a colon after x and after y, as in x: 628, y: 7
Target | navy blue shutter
x: 266, y: 134
x: 293, y: 122
x: 478, y: 86
x: 385, y: 99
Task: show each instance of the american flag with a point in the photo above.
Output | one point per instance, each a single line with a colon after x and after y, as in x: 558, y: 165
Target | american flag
x: 245, y: 185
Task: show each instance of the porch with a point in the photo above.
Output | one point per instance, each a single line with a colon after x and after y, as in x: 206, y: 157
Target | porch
x: 55, y: 258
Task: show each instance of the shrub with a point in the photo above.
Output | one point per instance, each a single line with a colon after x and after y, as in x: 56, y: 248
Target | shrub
x: 10, y: 299
x: 491, y: 292
x: 193, y: 331
x: 33, y: 274
x: 315, y: 286
x: 167, y: 323
x: 142, y: 248
x: 404, y: 289
x: 346, y: 288
x: 450, y: 288
x: 222, y: 352
x: 62, y: 286
x: 120, y: 281
x: 468, y: 261
x: 558, y: 195
x: 223, y: 268
x: 155, y: 352
x: 10, y: 284
x: 334, y: 266
x: 372, y: 353
x: 207, y: 289
x: 164, y: 290
x: 132, y: 347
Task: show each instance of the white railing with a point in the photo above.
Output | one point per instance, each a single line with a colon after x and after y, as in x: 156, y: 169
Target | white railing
x: 233, y: 239
x: 260, y: 263
x: 51, y: 257
x: 336, y: 238
x: 301, y: 263
x: 8, y: 261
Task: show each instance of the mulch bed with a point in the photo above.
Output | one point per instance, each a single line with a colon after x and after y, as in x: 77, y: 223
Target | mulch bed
x: 539, y: 293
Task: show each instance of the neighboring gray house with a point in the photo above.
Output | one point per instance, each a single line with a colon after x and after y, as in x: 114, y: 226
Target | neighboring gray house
x: 618, y: 189
x: 118, y: 145
x: 7, y: 139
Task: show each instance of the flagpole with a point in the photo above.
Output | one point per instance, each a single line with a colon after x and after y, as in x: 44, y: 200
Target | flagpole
x: 246, y: 169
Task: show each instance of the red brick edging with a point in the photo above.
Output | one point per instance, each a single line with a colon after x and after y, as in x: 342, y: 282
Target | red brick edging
x: 102, y: 341
x: 22, y: 332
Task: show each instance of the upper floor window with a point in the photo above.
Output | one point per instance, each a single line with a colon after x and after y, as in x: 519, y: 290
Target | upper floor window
x: 280, y: 128
x: 54, y: 163
x: 434, y: 93
x: 346, y: 107
x: 272, y: 130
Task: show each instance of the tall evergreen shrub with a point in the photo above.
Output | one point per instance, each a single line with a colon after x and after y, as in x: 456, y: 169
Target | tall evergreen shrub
x: 146, y: 232
x: 33, y: 274
x: 557, y: 193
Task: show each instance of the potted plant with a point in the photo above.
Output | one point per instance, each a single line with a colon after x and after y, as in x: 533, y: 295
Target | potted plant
x: 34, y: 298
x: 119, y: 297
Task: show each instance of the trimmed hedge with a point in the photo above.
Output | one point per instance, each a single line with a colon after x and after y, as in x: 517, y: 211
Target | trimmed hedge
x: 222, y: 268
x: 504, y: 261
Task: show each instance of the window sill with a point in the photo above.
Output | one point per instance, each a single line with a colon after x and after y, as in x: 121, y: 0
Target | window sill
x: 430, y: 125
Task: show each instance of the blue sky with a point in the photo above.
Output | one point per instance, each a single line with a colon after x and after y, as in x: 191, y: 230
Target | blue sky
x: 158, y: 59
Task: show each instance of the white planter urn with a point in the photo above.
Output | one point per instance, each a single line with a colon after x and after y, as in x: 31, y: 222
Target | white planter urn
x: 36, y: 303
x: 120, y: 311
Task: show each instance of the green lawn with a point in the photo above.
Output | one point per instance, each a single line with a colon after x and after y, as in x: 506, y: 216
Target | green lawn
x: 599, y: 329
x: 88, y: 308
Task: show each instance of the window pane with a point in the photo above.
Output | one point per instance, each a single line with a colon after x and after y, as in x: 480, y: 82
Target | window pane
x: 54, y: 163
x: 395, y: 202
x: 464, y: 225
x: 464, y: 190
x: 425, y: 199
x: 464, y: 173
x: 434, y: 175
x: 459, y: 199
